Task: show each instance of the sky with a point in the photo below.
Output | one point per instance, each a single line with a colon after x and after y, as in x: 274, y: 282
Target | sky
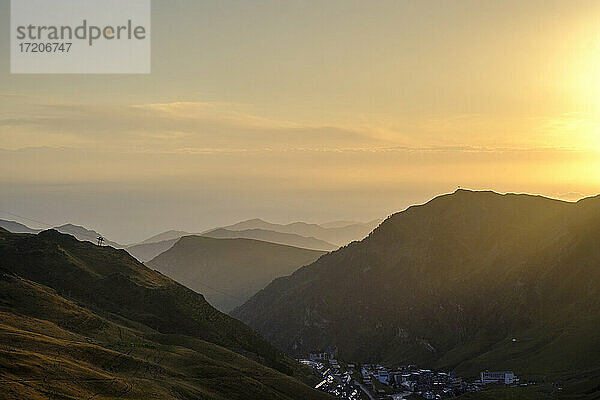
x: 308, y: 110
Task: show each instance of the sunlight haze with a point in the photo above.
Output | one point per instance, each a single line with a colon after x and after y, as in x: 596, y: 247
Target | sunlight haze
x: 306, y: 110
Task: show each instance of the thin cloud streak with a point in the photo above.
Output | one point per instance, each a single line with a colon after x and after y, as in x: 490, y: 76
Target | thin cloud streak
x: 219, y: 126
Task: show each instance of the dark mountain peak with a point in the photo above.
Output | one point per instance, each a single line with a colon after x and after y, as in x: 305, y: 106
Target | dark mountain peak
x: 465, y: 216
x: 473, y: 199
x: 460, y: 273
x: 56, y: 236
x: 489, y: 195
x: 467, y: 191
x: 53, y: 233
x: 76, y: 229
x: 72, y: 228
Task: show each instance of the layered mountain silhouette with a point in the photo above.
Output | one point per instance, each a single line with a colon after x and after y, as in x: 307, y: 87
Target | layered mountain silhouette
x: 80, y: 232
x: 325, y: 237
x: 85, y: 234
x: 290, y: 239
x: 82, y: 321
x: 147, y: 251
x: 341, y: 223
x: 16, y: 227
x: 229, y: 271
x: 164, y: 236
x: 338, y: 233
x: 469, y: 281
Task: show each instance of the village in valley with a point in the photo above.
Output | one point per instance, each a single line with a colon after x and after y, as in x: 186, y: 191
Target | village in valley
x: 378, y: 382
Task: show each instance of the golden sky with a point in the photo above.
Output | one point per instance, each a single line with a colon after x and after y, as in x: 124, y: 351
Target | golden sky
x: 309, y: 110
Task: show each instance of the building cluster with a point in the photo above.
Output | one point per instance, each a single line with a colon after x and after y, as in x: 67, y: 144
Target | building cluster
x: 337, y: 381
x: 411, y: 380
x: 376, y: 381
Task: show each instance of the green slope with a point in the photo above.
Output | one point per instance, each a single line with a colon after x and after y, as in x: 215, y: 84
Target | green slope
x: 78, y: 320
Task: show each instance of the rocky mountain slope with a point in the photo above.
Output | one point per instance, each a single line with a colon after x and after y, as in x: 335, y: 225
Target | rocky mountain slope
x: 468, y: 281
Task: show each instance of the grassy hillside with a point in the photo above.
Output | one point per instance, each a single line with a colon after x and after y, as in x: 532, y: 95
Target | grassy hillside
x: 450, y: 284
x: 80, y: 321
x: 229, y: 271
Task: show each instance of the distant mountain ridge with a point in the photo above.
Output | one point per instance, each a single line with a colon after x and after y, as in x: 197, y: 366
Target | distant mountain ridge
x: 339, y: 234
x: 83, y: 321
x: 16, y: 227
x: 450, y: 284
x: 79, y: 232
x: 147, y: 251
x: 229, y: 271
x: 164, y: 236
x: 85, y: 234
x: 297, y: 234
x: 289, y: 239
x: 342, y: 224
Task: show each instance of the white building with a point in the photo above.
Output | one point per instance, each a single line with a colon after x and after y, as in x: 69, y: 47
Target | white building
x: 503, y: 377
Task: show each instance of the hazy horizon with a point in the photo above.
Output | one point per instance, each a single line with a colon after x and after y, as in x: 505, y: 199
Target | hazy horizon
x: 129, y: 240
x: 308, y: 111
